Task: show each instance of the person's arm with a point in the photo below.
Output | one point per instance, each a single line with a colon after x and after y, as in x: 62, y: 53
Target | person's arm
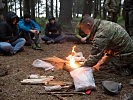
x: 77, y: 32
x: 35, y: 25
x: 22, y: 26
x: 3, y: 32
x: 100, y: 43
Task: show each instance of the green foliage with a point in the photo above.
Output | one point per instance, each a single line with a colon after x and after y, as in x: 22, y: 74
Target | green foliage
x: 42, y: 22
x: 121, y: 20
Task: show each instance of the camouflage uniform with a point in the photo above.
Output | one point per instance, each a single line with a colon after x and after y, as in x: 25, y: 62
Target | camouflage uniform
x: 128, y: 14
x: 113, y: 9
x: 112, y: 39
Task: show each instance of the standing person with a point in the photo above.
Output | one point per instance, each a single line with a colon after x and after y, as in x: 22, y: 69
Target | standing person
x: 113, y: 9
x: 10, y: 41
x: 128, y: 16
x: 53, y: 32
x: 29, y: 30
x: 109, y: 39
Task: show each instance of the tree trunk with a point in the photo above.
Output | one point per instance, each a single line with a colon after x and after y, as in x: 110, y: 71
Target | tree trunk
x: 104, y: 11
x: 1, y: 10
x: 65, y: 15
x: 20, y: 3
x: 56, y: 9
x: 87, y: 7
x: 95, y: 8
x: 32, y: 2
x: 26, y: 6
x: 47, y: 9
x: 51, y: 12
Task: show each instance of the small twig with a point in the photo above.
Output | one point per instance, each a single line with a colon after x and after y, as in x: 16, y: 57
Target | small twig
x: 81, y: 93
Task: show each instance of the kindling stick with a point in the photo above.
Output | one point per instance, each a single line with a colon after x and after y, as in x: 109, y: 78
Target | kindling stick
x: 80, y: 93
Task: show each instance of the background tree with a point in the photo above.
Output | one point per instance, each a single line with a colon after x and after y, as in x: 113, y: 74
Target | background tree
x: 65, y: 15
x: 87, y: 8
x: 26, y: 6
x: 1, y: 10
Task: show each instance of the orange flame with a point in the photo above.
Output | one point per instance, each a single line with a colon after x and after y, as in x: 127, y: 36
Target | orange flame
x: 72, y: 61
x: 73, y: 51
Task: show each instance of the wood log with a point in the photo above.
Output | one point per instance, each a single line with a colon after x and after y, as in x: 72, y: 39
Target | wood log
x: 80, y: 93
x: 43, y: 80
x: 62, y: 83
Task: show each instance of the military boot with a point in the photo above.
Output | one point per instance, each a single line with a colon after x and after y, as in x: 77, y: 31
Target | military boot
x: 33, y: 46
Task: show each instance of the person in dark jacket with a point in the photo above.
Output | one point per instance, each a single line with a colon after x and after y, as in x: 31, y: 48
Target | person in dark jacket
x: 29, y: 30
x: 109, y: 40
x: 128, y: 16
x: 53, y: 32
x: 10, y: 41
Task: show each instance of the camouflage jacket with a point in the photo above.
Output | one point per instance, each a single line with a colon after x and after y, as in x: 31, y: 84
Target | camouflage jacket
x: 112, y: 5
x: 109, y: 38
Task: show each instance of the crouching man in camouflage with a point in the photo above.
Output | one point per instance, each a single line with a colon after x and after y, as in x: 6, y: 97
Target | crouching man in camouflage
x: 111, y: 39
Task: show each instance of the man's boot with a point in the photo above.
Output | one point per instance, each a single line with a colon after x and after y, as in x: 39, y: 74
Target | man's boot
x: 38, y: 46
x: 33, y: 46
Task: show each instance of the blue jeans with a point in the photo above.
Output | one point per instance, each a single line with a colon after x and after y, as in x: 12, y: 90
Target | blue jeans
x: 12, y: 47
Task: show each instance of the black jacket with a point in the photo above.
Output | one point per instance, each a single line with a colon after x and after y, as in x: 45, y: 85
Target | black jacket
x: 9, y: 31
x: 55, y: 30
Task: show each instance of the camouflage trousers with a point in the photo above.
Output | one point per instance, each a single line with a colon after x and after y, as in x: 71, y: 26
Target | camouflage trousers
x: 121, y: 63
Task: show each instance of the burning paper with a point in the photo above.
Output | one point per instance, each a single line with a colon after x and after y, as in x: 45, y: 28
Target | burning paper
x: 75, y: 58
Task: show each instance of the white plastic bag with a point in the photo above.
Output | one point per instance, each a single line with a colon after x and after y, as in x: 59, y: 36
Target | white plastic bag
x: 42, y: 64
x: 83, y: 79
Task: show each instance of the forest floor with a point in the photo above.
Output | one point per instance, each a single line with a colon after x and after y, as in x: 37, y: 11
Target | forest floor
x: 19, y: 66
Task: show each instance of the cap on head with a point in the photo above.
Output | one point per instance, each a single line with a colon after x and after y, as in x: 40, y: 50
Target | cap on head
x: 51, y: 18
x: 27, y: 15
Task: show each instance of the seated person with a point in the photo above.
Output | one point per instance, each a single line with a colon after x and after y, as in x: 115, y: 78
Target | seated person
x: 80, y: 35
x: 10, y: 41
x: 29, y: 30
x: 53, y: 32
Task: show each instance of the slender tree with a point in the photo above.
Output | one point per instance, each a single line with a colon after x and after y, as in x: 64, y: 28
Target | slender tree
x: 51, y: 10
x: 65, y: 15
x: 26, y: 8
x: 1, y: 10
x: 87, y: 9
x: 32, y: 6
x: 56, y: 9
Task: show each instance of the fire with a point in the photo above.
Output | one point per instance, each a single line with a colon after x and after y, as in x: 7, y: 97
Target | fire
x: 72, y: 61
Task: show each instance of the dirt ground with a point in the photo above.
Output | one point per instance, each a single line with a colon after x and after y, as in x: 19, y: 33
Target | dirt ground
x: 19, y: 67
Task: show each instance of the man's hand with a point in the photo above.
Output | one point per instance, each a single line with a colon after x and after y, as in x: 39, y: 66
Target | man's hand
x: 83, y: 40
x: 34, y: 31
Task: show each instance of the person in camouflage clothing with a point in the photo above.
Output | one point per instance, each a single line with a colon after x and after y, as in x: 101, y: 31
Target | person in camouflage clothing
x: 109, y: 39
x: 113, y: 9
x: 128, y: 16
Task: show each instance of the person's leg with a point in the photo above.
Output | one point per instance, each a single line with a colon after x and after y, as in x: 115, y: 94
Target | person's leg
x: 25, y: 35
x: 121, y: 65
x: 6, y: 47
x: 72, y: 38
x: 59, y: 39
x: 46, y: 38
x: 18, y: 44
